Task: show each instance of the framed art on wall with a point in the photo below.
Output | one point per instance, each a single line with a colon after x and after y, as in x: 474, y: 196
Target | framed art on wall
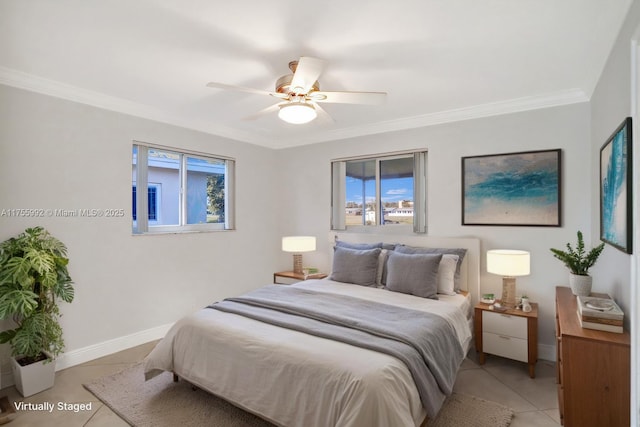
x: 512, y: 189
x: 616, y: 189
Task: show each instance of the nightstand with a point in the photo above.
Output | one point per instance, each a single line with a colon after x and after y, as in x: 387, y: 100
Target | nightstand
x: 511, y: 333
x: 289, y: 277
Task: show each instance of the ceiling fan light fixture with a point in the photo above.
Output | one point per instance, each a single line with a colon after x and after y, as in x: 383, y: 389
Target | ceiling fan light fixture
x: 297, y: 113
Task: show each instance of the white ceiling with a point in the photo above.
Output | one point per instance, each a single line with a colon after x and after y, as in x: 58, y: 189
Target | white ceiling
x: 439, y: 60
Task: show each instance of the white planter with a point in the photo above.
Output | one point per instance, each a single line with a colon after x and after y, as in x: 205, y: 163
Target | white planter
x: 34, y: 378
x: 580, y: 285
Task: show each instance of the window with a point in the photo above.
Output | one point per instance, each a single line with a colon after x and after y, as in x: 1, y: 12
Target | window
x: 176, y: 191
x: 388, y: 190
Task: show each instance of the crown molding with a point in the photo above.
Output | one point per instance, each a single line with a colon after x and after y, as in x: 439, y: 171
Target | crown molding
x: 30, y: 82
x: 516, y: 105
x: 57, y: 89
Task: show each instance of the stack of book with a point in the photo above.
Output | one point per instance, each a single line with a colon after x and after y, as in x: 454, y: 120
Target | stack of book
x: 602, y: 314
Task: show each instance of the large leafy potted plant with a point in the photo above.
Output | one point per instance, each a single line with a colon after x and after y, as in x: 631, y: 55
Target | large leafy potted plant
x: 33, y: 277
x: 579, y: 261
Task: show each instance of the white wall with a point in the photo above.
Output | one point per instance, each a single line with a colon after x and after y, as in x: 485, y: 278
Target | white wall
x: 305, y: 176
x: 56, y: 154
x: 610, y: 104
x: 612, y: 101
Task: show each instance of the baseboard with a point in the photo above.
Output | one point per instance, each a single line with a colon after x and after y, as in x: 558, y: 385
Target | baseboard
x: 547, y: 352
x: 82, y: 355
x: 105, y: 348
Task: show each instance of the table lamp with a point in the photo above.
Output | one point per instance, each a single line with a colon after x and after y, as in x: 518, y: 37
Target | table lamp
x: 508, y: 263
x: 297, y: 245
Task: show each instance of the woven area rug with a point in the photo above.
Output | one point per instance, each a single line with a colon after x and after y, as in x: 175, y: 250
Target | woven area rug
x: 161, y: 402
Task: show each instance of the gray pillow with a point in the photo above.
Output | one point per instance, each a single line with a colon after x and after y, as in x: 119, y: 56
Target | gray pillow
x: 355, y: 266
x: 461, y: 252
x: 359, y: 246
x: 415, y: 274
x: 382, y: 260
x: 387, y: 246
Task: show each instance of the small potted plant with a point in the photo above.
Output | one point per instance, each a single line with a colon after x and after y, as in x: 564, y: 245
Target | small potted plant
x: 578, y: 261
x: 33, y: 276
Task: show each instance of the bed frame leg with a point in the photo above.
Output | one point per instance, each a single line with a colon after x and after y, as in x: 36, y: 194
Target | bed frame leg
x: 176, y: 378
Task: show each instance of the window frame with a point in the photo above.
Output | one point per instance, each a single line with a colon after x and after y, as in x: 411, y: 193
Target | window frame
x: 142, y: 225
x: 338, y: 193
x: 158, y: 192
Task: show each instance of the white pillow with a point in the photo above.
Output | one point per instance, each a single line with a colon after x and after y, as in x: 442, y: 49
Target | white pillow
x: 381, y: 265
x: 446, y: 274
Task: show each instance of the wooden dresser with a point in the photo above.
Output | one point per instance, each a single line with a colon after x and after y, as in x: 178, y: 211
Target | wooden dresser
x: 594, y: 378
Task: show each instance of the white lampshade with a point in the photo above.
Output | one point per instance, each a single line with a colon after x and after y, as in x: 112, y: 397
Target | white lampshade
x: 297, y: 113
x: 299, y: 244
x: 508, y: 262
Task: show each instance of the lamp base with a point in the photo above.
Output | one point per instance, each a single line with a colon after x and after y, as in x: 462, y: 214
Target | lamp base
x: 297, y: 263
x: 508, y: 292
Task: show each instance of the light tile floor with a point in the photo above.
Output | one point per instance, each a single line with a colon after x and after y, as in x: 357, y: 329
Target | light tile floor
x: 499, y: 380
x: 507, y: 382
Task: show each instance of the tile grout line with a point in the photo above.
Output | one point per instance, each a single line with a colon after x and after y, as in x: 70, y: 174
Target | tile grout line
x: 512, y: 390
x: 94, y: 414
x: 538, y: 410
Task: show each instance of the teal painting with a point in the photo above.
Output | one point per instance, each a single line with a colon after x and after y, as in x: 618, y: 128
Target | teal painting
x: 615, y: 189
x: 512, y: 189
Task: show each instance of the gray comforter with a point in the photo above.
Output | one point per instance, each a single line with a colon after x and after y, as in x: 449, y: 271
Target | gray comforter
x: 425, y: 342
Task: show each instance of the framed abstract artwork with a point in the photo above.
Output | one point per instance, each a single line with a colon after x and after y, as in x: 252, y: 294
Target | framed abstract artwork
x: 512, y: 189
x: 616, y: 189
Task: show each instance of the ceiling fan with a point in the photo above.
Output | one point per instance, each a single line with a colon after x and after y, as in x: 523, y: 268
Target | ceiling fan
x: 300, y: 93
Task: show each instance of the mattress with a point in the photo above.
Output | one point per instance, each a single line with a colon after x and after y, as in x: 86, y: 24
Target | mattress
x: 294, y: 379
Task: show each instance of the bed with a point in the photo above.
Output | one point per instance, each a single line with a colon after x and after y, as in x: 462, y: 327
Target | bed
x: 301, y: 377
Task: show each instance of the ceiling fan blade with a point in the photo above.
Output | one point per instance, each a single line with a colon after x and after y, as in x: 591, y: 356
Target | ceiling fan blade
x: 270, y: 109
x: 307, y: 72
x: 372, y: 98
x: 217, y: 85
x: 322, y: 114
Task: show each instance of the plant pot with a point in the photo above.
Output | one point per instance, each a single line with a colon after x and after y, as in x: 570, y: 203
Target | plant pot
x: 34, y: 378
x: 580, y: 285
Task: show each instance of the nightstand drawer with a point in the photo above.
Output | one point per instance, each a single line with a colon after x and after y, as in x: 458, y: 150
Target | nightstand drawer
x: 281, y: 280
x: 289, y: 277
x: 505, y: 346
x: 504, y: 324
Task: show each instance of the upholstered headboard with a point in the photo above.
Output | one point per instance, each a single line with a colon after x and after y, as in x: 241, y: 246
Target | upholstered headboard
x: 470, y: 269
